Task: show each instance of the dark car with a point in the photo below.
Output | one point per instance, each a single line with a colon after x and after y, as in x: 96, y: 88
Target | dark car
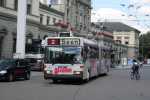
x: 36, y: 64
x: 10, y: 69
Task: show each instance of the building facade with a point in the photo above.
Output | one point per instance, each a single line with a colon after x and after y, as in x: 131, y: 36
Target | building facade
x: 49, y: 21
x: 42, y: 20
x: 120, y: 53
x: 131, y: 40
x: 8, y: 25
x: 77, y: 14
x: 125, y: 35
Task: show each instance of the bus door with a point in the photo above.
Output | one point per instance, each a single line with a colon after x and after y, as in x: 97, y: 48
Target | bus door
x: 91, y: 56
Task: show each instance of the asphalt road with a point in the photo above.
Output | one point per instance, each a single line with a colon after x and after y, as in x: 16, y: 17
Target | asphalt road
x: 116, y: 86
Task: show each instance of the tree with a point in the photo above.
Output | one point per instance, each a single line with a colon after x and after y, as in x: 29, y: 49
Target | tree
x: 145, y: 45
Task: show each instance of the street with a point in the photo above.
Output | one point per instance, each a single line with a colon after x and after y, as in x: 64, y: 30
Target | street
x: 116, y: 86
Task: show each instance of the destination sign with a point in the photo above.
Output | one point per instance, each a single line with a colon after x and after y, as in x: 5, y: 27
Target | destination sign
x: 70, y: 42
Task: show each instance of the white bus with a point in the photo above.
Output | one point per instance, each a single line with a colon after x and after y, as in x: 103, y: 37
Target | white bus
x: 72, y: 58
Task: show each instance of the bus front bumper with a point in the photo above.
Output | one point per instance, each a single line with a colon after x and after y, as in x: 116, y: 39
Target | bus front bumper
x: 63, y: 77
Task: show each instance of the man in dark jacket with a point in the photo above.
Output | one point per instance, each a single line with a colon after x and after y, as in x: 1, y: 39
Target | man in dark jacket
x: 135, y: 67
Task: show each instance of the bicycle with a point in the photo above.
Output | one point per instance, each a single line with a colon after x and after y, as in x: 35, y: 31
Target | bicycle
x: 135, y: 75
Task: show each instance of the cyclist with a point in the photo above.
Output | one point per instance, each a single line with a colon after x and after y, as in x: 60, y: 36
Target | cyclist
x: 135, y: 70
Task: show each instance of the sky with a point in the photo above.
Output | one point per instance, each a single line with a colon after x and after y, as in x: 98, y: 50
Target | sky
x: 135, y: 13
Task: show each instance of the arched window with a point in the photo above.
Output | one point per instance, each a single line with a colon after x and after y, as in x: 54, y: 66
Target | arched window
x: 16, y: 4
x: 3, y: 32
x: 2, y: 3
x: 14, y: 41
x: 29, y: 41
x: 29, y: 6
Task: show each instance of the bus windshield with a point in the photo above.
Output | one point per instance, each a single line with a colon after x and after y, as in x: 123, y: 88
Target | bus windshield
x: 63, y: 55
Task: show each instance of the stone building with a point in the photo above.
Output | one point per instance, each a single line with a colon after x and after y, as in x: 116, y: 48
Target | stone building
x: 40, y: 22
x: 49, y: 18
x: 118, y: 52
x: 125, y: 35
x: 77, y: 14
x: 8, y: 24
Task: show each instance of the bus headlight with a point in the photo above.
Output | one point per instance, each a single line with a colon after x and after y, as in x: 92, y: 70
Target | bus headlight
x: 49, y: 71
x: 77, y: 72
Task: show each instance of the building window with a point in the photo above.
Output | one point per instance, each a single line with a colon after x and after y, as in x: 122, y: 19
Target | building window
x: 85, y: 20
x: 29, y: 41
x: 54, y: 20
x: 2, y: 3
x: 1, y: 42
x: 126, y: 42
x: 14, y: 45
x: 126, y: 37
x: 16, y: 5
x: 41, y: 18
x: 28, y: 8
x: 59, y: 21
x: 118, y: 41
x: 118, y: 38
x: 54, y: 2
x: 48, y: 20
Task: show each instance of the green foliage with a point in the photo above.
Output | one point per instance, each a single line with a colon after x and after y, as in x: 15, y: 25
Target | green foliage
x: 145, y: 45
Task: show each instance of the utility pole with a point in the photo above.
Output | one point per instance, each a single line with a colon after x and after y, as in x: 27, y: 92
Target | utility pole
x: 21, y: 29
x: 142, y: 47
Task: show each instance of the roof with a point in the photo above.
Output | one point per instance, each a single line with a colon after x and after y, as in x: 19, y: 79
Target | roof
x: 106, y: 33
x: 117, y: 26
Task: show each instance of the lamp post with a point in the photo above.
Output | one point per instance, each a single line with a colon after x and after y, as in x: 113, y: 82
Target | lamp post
x: 142, y: 45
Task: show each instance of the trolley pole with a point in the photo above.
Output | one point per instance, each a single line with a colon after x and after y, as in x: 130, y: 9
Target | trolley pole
x: 21, y: 29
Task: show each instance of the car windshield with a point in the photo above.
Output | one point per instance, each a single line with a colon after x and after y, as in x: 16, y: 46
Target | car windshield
x: 63, y: 55
x: 5, y: 63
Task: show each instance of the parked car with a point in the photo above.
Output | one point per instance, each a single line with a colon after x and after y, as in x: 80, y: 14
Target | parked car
x: 11, y: 69
x: 36, y: 64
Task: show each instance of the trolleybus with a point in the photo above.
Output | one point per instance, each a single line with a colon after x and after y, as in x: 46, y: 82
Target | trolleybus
x: 73, y: 58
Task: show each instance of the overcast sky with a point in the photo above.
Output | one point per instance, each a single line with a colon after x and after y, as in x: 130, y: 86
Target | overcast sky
x: 131, y: 12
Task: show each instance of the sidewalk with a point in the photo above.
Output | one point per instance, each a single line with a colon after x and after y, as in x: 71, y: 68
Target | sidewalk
x: 146, y: 65
x: 123, y: 67
x: 129, y: 66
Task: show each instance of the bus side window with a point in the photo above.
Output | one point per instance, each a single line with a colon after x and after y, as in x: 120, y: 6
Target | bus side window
x: 93, y: 52
x: 103, y: 53
x: 84, y: 53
